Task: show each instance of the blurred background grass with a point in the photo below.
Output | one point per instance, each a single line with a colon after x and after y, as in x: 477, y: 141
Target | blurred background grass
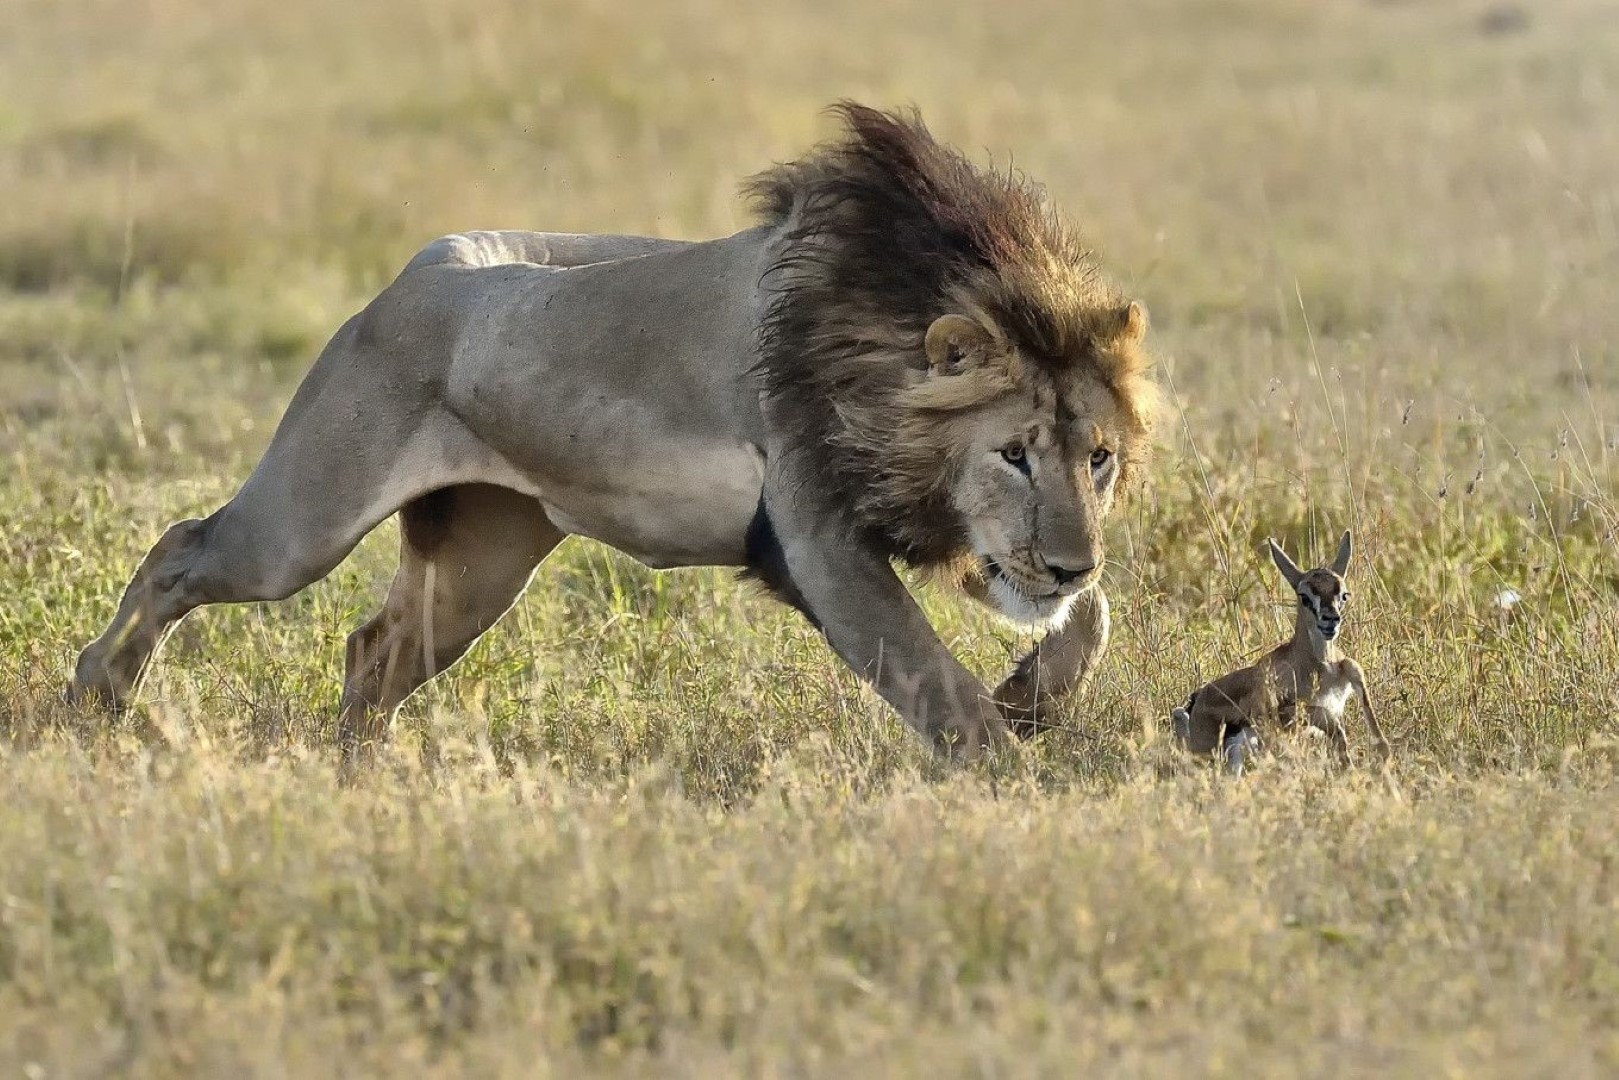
x: 1380, y: 243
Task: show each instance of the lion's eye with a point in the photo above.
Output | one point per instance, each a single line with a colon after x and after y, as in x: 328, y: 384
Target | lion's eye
x: 1100, y: 457
x: 1015, y: 455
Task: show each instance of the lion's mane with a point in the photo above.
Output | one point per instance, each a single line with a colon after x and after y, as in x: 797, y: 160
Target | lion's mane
x: 884, y: 230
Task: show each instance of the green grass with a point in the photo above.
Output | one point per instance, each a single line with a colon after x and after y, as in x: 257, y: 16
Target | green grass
x: 650, y: 824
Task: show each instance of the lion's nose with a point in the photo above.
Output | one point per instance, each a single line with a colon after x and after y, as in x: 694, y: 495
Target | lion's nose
x: 1067, y: 575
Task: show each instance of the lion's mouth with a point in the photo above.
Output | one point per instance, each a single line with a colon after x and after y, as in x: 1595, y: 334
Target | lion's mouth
x: 994, y: 571
x: 1024, y: 603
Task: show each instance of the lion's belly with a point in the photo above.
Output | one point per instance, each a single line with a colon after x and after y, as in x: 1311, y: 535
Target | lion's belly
x: 621, y: 391
x: 689, y: 507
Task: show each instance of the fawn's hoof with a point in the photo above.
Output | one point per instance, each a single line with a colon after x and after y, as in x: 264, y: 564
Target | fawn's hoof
x: 1236, y: 748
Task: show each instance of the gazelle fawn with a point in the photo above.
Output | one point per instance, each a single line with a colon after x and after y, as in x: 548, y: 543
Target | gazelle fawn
x: 1307, y: 671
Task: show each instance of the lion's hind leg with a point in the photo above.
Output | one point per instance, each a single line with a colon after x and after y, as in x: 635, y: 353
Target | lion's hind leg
x: 465, y: 555
x: 247, y: 551
x: 343, y: 458
x: 288, y: 526
x: 163, y: 589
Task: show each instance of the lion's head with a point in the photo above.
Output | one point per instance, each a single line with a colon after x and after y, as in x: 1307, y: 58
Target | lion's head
x: 967, y: 385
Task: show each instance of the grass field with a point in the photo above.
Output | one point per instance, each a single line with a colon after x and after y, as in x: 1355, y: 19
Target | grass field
x: 650, y: 825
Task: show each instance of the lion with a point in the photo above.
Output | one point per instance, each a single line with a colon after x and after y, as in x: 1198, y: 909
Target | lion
x: 908, y: 360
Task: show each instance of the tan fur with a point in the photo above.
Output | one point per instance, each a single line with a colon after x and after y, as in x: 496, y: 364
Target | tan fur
x: 1307, y: 671
x: 768, y: 400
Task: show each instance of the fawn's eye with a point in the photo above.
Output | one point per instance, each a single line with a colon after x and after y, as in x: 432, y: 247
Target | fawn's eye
x: 1017, y: 456
x: 1100, y: 457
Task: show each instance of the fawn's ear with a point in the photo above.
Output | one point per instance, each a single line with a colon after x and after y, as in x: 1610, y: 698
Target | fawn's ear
x: 1340, y: 561
x: 1288, y: 567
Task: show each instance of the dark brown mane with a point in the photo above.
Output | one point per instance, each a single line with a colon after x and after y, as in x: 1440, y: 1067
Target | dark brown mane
x: 884, y: 230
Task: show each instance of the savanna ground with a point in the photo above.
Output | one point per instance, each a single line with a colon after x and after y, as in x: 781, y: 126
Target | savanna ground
x: 650, y: 823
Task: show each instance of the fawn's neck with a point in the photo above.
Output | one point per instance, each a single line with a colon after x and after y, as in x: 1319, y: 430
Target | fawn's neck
x: 1308, y: 644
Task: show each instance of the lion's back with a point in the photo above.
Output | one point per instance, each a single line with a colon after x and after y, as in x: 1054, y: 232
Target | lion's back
x: 499, y: 247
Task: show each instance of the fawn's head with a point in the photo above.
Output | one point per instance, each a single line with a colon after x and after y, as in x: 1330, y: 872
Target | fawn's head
x: 1323, y: 594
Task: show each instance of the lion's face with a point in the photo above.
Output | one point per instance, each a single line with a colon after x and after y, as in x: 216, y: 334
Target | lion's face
x: 1033, y: 472
x: 1035, y: 481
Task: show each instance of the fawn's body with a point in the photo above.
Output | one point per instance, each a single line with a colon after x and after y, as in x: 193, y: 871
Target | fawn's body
x: 1307, y: 672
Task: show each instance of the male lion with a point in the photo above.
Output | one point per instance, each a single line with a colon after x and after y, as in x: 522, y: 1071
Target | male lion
x: 909, y: 359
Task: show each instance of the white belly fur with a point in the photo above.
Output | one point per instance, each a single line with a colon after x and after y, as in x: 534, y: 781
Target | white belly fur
x: 1332, y: 698
x: 691, y: 508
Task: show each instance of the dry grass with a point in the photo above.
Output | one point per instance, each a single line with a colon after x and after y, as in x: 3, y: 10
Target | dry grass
x: 649, y: 823
x: 233, y: 917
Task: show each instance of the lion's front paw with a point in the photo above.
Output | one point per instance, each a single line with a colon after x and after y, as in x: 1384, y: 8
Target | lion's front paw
x: 95, y: 685
x: 966, y: 738
x: 1022, y: 704
x: 1018, y: 704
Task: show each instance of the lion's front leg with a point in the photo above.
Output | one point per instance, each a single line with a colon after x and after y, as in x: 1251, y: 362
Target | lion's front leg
x: 1059, y: 665
x: 871, y: 621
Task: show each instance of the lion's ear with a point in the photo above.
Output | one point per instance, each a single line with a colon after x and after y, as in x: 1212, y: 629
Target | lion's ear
x: 1133, y: 321
x: 955, y: 344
